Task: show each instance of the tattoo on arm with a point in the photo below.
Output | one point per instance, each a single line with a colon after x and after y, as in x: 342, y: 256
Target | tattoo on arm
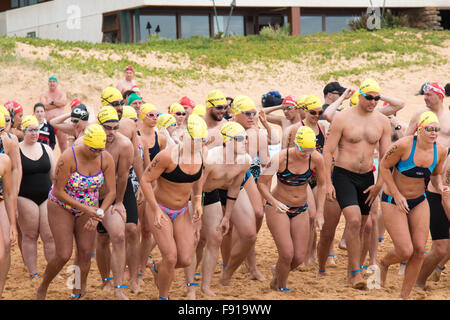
x: 447, y: 177
x: 59, y: 167
x: 391, y: 151
x: 155, y: 163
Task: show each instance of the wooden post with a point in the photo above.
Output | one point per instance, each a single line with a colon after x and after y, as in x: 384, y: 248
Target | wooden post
x: 294, y: 20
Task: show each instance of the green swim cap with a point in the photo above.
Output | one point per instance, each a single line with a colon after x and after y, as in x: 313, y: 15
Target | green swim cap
x: 53, y: 78
x: 133, y: 97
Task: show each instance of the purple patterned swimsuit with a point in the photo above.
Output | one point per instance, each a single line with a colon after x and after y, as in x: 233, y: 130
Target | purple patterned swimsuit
x: 84, y: 189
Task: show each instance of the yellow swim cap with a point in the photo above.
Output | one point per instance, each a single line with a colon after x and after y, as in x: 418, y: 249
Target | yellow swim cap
x: 369, y: 85
x: 176, y: 107
x: 165, y: 120
x: 230, y: 130
x: 215, y: 98
x: 128, y: 112
x: 301, y: 101
x: 242, y: 104
x: 109, y: 95
x: 2, y: 121
x: 147, y: 108
x: 312, y: 102
x: 199, y: 110
x: 29, y: 120
x: 196, y: 127
x: 95, y: 136
x: 4, y: 111
x: 107, y: 114
x: 354, y: 99
x: 305, y: 138
x: 426, y: 118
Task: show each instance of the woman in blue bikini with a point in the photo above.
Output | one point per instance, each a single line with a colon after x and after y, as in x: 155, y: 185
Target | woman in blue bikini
x: 177, y: 171
x: 406, y: 212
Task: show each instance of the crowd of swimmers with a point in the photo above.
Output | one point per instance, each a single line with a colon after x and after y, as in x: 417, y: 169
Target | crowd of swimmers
x: 195, y: 182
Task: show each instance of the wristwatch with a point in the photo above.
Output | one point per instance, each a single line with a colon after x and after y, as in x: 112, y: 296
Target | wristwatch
x: 398, y: 127
x: 100, y: 213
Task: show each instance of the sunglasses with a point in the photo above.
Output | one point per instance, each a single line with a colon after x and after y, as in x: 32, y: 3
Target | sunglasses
x: 152, y: 115
x: 220, y: 108
x: 96, y: 150
x: 7, y: 120
x: 32, y: 130
x: 179, y: 114
x: 106, y: 127
x: 75, y: 121
x: 249, y: 114
x: 432, y: 129
x: 315, y: 113
x: 288, y: 108
x: 369, y: 97
x: 237, y: 138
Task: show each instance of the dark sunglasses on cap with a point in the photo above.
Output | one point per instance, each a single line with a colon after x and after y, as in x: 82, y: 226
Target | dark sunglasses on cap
x: 75, y: 121
x: 180, y: 114
x: 96, y: 150
x: 237, y: 138
x: 249, y: 113
x: 368, y: 97
x: 432, y: 129
x: 117, y: 103
x: 220, y: 108
x: 106, y: 127
x: 315, y: 113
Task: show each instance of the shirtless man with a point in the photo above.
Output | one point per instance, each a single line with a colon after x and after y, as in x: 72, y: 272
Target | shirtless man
x: 128, y: 83
x: 216, y: 105
x: 356, y: 131
x: 225, y: 170
x: 434, y: 99
x: 127, y: 127
x: 250, y: 202
x: 434, y: 95
x: 54, y: 101
x: 112, y: 227
x: 291, y: 113
x: 390, y: 106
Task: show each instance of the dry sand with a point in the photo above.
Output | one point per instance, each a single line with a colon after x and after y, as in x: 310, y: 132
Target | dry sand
x: 26, y: 85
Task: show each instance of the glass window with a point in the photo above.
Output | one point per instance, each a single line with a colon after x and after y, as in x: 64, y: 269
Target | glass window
x: 167, y: 26
x: 110, y: 22
x: 194, y: 26
x: 236, y: 25
x: 265, y: 21
x: 14, y: 3
x: 310, y: 24
x: 336, y: 24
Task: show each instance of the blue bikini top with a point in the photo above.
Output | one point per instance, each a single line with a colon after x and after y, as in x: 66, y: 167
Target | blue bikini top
x: 409, y: 168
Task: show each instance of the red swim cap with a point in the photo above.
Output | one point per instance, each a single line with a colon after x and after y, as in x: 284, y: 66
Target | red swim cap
x: 185, y: 101
x: 436, y: 88
x: 74, y: 103
x: 14, y: 106
x: 290, y: 101
x: 129, y: 68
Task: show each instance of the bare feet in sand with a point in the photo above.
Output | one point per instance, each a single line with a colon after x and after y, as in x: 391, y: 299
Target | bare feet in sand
x: 273, y: 282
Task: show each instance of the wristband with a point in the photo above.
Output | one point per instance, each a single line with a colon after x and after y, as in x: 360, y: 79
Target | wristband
x: 231, y: 198
x: 198, y: 196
